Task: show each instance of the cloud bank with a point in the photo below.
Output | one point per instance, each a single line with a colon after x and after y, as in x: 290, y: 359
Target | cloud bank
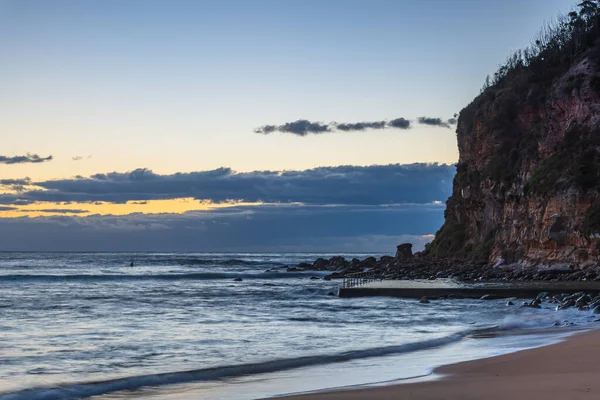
x: 303, y: 127
x: 62, y: 211
x: 28, y: 158
x: 360, y: 126
x: 10, y: 182
x: 370, y: 185
x: 265, y: 228
x: 331, y: 209
x: 437, y: 122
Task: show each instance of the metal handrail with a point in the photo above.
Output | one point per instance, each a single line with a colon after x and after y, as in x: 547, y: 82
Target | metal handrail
x: 361, y: 278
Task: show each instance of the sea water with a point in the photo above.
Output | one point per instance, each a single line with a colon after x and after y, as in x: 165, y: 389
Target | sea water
x: 179, y: 325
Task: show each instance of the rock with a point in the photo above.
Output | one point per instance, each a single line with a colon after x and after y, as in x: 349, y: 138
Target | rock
x: 566, y: 304
x: 320, y: 263
x: 581, y: 301
x: 338, y: 261
x: 596, y: 310
x: 369, y: 262
x: 268, y: 284
x: 312, y: 278
x: 238, y: 280
x: 326, y: 278
x: 386, y: 259
x: 510, y: 303
x: 330, y: 294
x: 541, y: 296
x: 303, y: 266
x: 404, y: 251
x: 424, y: 300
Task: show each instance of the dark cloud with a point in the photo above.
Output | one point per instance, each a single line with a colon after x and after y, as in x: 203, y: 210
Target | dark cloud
x: 303, y: 127
x: 399, y: 123
x: 377, y: 184
x: 437, y: 122
x: 60, y: 211
x: 29, y: 158
x: 266, y: 129
x: 288, y: 227
x: 360, y: 126
x: 10, y: 182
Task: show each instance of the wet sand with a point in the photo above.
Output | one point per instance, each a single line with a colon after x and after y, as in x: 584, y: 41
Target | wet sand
x: 568, y: 370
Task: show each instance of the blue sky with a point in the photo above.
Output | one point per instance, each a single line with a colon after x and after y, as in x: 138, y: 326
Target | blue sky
x: 179, y: 86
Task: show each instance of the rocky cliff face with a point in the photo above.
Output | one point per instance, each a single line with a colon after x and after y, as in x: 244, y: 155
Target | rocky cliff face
x: 527, y: 188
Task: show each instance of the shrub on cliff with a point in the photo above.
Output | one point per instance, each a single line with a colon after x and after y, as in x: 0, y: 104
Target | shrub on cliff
x: 591, y: 224
x: 574, y: 163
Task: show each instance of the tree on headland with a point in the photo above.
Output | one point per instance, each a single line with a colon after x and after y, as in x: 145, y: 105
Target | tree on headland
x: 558, y: 43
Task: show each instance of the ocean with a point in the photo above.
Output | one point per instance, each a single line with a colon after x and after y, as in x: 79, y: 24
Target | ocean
x: 179, y: 326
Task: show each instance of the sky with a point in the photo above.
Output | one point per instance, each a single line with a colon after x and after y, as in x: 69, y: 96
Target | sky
x: 238, y: 125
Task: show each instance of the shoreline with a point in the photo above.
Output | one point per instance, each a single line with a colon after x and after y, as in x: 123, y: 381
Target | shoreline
x: 564, y: 370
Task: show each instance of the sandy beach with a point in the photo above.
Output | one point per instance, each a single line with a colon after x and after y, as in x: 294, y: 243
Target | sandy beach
x: 569, y: 370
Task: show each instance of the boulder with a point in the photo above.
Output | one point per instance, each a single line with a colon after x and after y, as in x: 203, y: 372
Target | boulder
x: 320, y: 263
x: 424, y: 300
x: 338, y: 261
x: 238, y: 280
x: 581, y: 301
x: 542, y: 296
x: 369, y: 262
x: 404, y: 251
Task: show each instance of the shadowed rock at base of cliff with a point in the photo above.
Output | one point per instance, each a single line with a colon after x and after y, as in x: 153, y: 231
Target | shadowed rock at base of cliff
x: 527, y: 187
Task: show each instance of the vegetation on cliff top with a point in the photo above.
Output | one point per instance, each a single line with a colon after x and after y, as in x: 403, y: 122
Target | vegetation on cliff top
x: 557, y: 46
x: 521, y: 82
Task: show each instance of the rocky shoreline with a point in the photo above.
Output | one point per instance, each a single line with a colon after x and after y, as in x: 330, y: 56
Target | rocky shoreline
x: 405, y: 266
x: 408, y: 266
